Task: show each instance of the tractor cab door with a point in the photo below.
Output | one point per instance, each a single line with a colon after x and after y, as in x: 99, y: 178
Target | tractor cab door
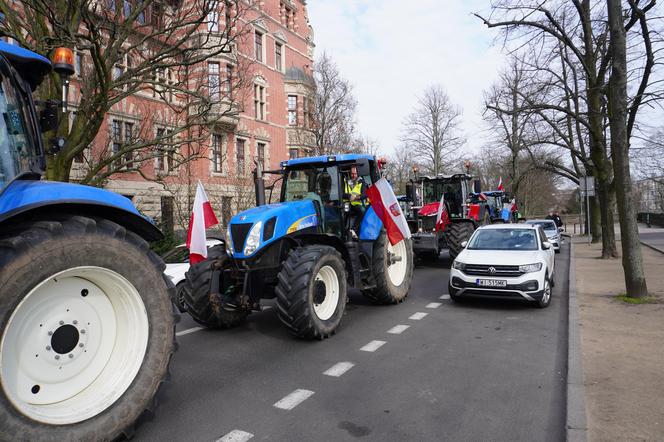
x: 355, y: 180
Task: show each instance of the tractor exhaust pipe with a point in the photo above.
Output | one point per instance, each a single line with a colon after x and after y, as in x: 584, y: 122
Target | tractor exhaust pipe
x: 259, y: 185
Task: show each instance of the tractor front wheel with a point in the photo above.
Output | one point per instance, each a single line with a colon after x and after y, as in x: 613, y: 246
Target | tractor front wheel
x: 392, y: 270
x: 456, y: 234
x: 86, y: 329
x: 311, y: 291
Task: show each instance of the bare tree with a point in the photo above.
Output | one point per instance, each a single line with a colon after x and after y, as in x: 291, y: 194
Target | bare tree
x: 153, y: 48
x: 432, y: 131
x: 399, y: 169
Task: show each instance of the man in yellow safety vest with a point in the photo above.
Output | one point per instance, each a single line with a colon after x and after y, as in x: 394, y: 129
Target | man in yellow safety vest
x: 353, y: 192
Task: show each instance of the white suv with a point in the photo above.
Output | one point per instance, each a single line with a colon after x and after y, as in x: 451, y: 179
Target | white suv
x: 505, y: 261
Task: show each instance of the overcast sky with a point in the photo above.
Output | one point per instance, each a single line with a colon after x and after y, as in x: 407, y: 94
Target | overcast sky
x: 391, y: 50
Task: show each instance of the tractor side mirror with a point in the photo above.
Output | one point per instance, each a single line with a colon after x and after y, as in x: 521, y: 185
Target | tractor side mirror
x: 48, y: 115
x: 363, y: 168
x: 410, y: 193
x: 477, y: 186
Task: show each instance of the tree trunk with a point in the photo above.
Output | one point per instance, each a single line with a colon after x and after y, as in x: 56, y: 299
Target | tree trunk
x: 595, y: 221
x: 632, y: 261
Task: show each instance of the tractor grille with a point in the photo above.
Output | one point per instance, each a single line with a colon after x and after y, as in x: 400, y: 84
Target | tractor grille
x: 239, y: 233
x: 483, y: 270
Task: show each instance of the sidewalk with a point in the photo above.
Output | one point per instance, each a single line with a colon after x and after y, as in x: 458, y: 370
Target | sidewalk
x: 622, y: 348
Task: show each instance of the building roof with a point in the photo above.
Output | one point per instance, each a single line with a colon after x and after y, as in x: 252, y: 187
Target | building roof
x: 297, y: 74
x: 30, y: 65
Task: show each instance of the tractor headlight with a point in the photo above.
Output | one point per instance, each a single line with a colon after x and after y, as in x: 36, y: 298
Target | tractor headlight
x: 459, y: 265
x: 253, y: 239
x: 530, y: 268
x: 229, y: 240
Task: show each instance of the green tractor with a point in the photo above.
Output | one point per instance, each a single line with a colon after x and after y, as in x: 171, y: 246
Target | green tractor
x: 306, y: 251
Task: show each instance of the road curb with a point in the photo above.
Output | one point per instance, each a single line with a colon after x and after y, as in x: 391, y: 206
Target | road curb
x: 656, y: 249
x: 576, y: 425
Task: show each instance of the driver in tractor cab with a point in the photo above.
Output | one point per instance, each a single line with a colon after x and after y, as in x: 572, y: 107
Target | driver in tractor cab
x: 355, y: 193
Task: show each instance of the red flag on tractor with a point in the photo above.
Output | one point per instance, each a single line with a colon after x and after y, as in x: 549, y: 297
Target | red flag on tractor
x: 500, y: 184
x: 202, y: 217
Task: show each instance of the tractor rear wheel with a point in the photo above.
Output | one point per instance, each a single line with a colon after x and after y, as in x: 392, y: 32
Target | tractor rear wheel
x: 86, y: 329
x: 311, y: 291
x: 456, y: 234
x: 392, y: 270
x: 196, y: 293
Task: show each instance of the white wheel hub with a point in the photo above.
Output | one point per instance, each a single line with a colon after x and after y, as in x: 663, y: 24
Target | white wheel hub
x: 397, y: 263
x: 73, y: 345
x: 326, y: 292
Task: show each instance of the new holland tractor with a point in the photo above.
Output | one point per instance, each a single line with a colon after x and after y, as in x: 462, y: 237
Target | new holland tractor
x: 424, y: 195
x: 86, y: 317
x: 306, y: 251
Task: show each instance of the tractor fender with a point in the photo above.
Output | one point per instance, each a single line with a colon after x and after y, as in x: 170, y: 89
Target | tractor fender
x: 371, y: 225
x: 27, y: 199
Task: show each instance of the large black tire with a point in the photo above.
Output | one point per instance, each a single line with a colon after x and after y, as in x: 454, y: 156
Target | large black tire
x: 197, y: 295
x: 386, y: 292
x: 297, y: 290
x: 31, y: 254
x: 456, y: 233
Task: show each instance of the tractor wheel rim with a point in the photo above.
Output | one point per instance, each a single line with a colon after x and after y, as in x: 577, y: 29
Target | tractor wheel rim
x: 73, y: 345
x: 396, y: 270
x: 325, y: 308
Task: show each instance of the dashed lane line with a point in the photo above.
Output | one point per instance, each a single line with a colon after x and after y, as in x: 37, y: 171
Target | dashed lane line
x: 433, y: 305
x: 235, y: 436
x: 373, y: 346
x: 189, y: 330
x: 417, y: 316
x: 338, y: 369
x: 294, y: 399
x: 445, y: 297
x: 398, y: 329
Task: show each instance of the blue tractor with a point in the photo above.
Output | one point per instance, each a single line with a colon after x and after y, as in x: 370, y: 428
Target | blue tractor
x: 86, y: 318
x: 306, y: 251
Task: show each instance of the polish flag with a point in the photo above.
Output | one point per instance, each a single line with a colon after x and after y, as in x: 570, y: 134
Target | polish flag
x: 202, y: 217
x: 386, y: 206
x: 442, y: 218
x: 500, y: 184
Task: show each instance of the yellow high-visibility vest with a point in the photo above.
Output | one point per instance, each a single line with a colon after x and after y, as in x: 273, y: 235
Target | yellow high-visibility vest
x: 355, y: 190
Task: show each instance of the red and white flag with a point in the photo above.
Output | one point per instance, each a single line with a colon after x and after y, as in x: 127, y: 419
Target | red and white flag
x: 202, y: 217
x: 442, y: 217
x: 500, y: 184
x: 386, y: 206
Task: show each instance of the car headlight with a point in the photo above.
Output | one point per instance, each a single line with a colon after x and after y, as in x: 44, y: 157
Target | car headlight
x: 459, y: 265
x: 530, y: 268
x: 229, y: 240
x: 253, y: 239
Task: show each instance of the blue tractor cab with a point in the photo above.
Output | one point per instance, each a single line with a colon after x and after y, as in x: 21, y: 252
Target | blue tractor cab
x: 86, y: 316
x: 320, y: 239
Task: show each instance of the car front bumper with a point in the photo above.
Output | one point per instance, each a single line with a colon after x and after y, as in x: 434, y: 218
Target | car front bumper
x: 529, y: 286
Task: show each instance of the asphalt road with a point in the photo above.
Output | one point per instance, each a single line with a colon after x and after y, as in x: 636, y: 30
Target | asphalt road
x: 475, y: 371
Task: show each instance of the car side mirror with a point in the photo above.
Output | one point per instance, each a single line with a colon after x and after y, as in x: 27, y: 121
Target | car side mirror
x: 546, y: 245
x: 464, y: 244
x: 561, y: 230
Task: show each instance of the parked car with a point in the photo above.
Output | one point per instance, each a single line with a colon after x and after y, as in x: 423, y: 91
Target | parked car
x: 177, y: 264
x: 505, y: 261
x: 551, y: 230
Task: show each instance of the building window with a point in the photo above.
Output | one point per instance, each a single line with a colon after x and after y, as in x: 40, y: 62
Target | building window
x: 121, y: 136
x: 78, y: 64
x: 128, y: 137
x: 278, y: 50
x: 229, y: 80
x: 228, y: 17
x: 165, y: 151
x: 217, y: 154
x: 260, y: 155
x: 287, y: 16
x: 165, y: 81
x: 259, y: 102
x: 292, y: 110
x: 239, y: 159
x: 259, y: 46
x: 213, y: 80
x: 213, y: 18
x: 292, y: 153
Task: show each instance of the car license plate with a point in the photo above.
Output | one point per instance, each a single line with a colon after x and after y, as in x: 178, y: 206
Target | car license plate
x: 491, y: 283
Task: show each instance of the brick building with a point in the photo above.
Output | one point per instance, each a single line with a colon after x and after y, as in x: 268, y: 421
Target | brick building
x: 276, y: 55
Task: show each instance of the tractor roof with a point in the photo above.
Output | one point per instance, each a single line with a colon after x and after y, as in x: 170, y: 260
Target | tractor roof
x: 456, y: 176
x: 327, y: 159
x: 30, y: 65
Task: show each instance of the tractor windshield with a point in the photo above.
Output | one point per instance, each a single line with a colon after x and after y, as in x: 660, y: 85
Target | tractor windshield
x: 313, y: 183
x: 434, y: 189
x: 17, y: 144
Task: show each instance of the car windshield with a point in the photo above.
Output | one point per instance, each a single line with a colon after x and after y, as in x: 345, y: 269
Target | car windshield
x: 546, y: 225
x: 313, y: 183
x: 503, y: 239
x: 17, y: 147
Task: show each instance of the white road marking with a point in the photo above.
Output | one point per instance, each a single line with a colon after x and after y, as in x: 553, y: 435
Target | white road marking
x: 294, y: 399
x: 235, y: 436
x: 373, y: 346
x: 417, y: 316
x: 433, y: 305
x: 189, y: 330
x: 445, y: 297
x: 338, y: 369
x: 398, y: 329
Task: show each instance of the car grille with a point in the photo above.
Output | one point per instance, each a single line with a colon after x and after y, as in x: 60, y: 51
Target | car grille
x: 498, y: 270
x: 239, y: 233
